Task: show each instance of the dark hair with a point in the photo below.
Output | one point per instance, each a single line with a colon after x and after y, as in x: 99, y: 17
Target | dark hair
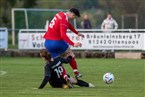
x: 45, y: 54
x: 75, y: 11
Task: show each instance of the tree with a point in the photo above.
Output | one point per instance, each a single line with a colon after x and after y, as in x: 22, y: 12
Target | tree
x: 120, y: 7
x: 133, y: 7
x: 5, y: 7
x: 29, y: 4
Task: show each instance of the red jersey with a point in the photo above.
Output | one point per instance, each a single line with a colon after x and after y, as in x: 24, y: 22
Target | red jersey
x: 58, y: 27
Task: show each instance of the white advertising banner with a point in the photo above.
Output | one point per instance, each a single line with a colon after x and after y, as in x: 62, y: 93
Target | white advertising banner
x: 31, y: 41
x: 3, y: 38
x: 91, y: 41
x: 116, y: 41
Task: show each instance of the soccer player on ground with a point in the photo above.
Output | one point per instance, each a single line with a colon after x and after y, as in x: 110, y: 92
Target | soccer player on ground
x: 56, y: 40
x: 56, y: 74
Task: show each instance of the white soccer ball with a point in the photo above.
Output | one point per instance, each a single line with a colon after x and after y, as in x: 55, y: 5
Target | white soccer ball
x: 108, y: 78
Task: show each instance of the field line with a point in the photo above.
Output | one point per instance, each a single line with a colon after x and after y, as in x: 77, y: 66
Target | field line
x: 2, y: 72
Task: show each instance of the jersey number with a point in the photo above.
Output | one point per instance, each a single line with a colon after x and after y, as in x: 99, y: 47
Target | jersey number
x: 52, y: 22
x: 59, y: 71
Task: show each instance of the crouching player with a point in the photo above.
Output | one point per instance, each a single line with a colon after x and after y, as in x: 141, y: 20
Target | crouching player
x: 56, y: 75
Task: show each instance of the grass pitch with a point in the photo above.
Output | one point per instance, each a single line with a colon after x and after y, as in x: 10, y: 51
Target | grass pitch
x: 18, y: 77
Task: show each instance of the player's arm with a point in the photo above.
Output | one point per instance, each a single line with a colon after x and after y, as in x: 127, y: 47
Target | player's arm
x: 103, y: 25
x: 66, y: 60
x: 44, y: 82
x: 115, y: 24
x: 63, y: 30
x: 46, y: 78
x: 64, y: 74
x: 73, y: 30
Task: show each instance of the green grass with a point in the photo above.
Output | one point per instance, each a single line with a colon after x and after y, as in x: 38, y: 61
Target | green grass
x: 23, y: 74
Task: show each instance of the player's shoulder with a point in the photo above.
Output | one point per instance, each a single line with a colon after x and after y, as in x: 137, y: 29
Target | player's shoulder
x: 60, y: 12
x: 56, y: 61
x: 47, y: 65
x: 61, y: 15
x: 58, y: 58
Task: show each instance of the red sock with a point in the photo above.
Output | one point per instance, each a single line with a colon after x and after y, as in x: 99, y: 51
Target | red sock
x: 73, y: 65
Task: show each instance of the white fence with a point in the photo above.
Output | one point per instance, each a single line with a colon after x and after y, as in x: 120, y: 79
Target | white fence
x: 95, y: 39
x: 3, y: 38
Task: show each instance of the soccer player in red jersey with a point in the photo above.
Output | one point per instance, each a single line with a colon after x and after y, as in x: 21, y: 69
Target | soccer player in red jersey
x: 57, y: 42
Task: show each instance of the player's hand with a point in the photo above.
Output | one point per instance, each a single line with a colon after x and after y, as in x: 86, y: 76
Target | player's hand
x: 66, y: 78
x: 69, y: 83
x: 79, y: 34
x: 77, y: 44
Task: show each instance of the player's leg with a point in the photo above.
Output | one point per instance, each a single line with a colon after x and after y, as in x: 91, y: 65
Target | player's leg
x: 80, y: 83
x: 73, y: 62
x: 56, y: 47
x: 58, y: 83
x: 66, y: 78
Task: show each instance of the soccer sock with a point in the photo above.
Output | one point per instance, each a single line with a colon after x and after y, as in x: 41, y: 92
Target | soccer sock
x: 73, y: 65
x: 82, y: 83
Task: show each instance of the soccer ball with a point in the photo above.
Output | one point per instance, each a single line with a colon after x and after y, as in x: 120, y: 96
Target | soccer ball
x: 108, y: 78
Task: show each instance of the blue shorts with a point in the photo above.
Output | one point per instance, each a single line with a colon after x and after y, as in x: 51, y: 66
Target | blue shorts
x: 56, y: 47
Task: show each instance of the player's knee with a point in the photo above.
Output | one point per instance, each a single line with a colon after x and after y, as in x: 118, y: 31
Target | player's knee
x: 67, y: 53
x: 70, y: 53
